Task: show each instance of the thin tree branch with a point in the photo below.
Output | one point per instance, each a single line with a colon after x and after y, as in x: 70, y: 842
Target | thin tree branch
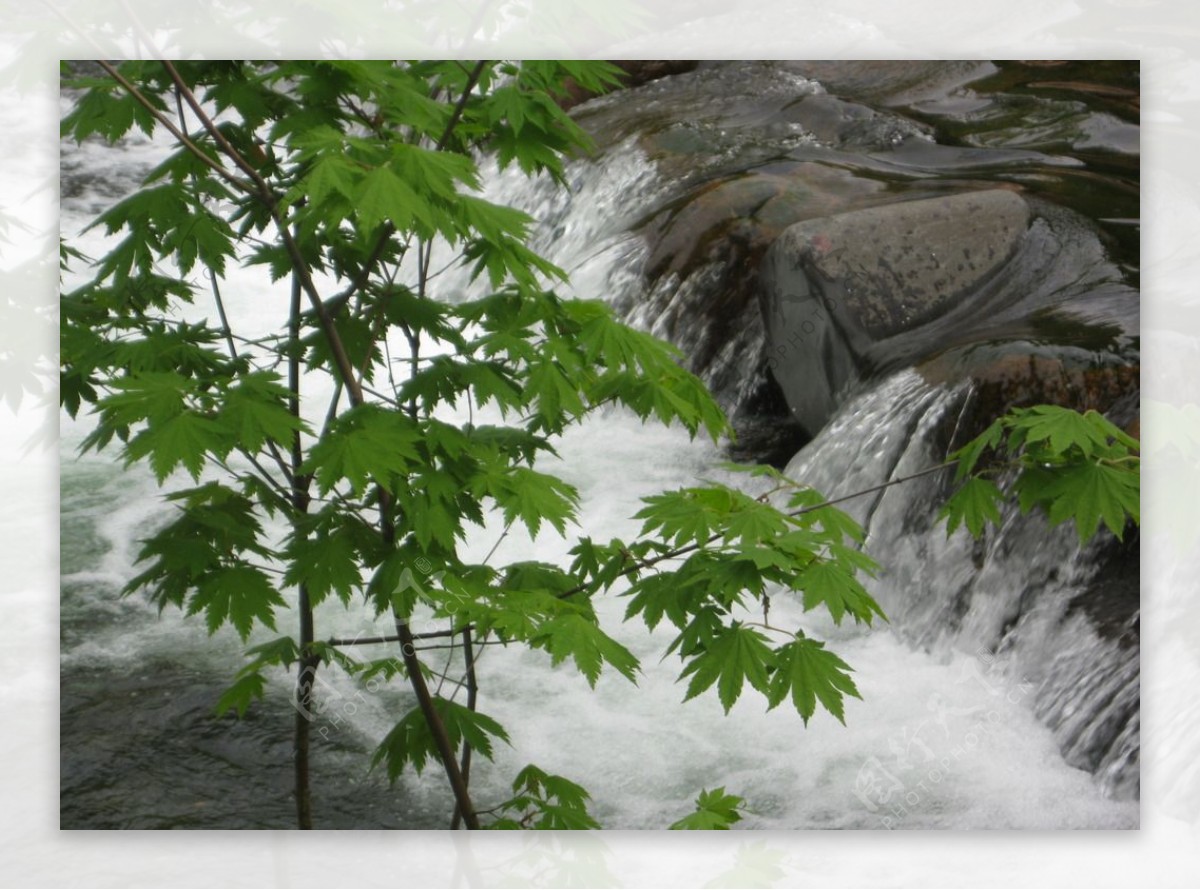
x: 295, y: 256
x: 232, y: 153
x: 445, y: 671
x: 648, y: 563
x: 689, y: 548
x: 499, y: 541
x: 478, y: 643
x: 472, y: 697
x: 460, y: 106
x: 767, y: 626
x: 309, y: 661
x: 436, y: 726
x: 389, y: 638
x: 263, y: 476
x: 227, y: 331
x: 217, y: 168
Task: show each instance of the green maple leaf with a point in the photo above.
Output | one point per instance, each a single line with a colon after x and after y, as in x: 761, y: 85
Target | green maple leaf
x: 149, y: 396
x: 535, y: 497
x: 431, y: 512
x: 199, y: 235
x: 580, y: 638
x: 968, y: 456
x: 715, y: 811
x: 1089, y: 493
x: 835, y: 524
x: 281, y: 651
x: 1032, y: 487
x: 382, y: 196
x: 516, y: 614
x: 434, y: 172
x: 1060, y: 428
x: 183, y: 439
x: 509, y: 103
x: 721, y: 577
x: 827, y: 583
x: 331, y: 174
x: 546, y: 802
x: 411, y: 741
x: 737, y: 654
x: 256, y: 412
x: 108, y: 112
x: 493, y: 222
x: 239, y: 695
x: 752, y: 521
x: 491, y: 381
x: 239, y: 594
x: 603, y: 338
x: 537, y: 781
x: 810, y: 673
x: 158, y: 209
x: 657, y: 595
x: 558, y: 399
x: 178, y: 348
x: 368, y: 443
x: 766, y: 558
x: 328, y: 562
x: 975, y: 504
x: 380, y: 668
x: 687, y: 515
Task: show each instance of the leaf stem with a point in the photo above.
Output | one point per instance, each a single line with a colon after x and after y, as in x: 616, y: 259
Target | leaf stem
x: 640, y: 564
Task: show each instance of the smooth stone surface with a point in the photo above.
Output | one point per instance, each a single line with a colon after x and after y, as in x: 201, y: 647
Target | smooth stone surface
x: 836, y: 286
x: 897, y: 265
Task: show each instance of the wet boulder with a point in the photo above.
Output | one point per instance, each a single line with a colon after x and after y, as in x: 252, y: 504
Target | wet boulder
x: 836, y: 288
x: 1020, y: 373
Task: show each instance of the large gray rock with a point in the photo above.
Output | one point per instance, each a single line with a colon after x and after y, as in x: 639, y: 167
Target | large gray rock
x: 836, y: 287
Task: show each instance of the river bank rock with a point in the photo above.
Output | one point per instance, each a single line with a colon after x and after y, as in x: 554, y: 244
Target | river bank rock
x: 835, y: 287
x: 1023, y: 373
x: 1015, y: 296
x: 821, y: 224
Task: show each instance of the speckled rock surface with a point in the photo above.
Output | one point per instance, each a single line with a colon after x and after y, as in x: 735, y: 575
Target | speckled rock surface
x: 899, y: 265
x: 836, y: 286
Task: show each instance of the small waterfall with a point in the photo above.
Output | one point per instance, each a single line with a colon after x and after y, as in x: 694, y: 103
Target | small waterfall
x: 1016, y: 597
x: 1022, y: 598
x: 1039, y: 609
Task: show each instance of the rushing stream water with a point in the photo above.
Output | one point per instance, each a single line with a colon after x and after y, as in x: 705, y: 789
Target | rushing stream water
x: 994, y: 699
